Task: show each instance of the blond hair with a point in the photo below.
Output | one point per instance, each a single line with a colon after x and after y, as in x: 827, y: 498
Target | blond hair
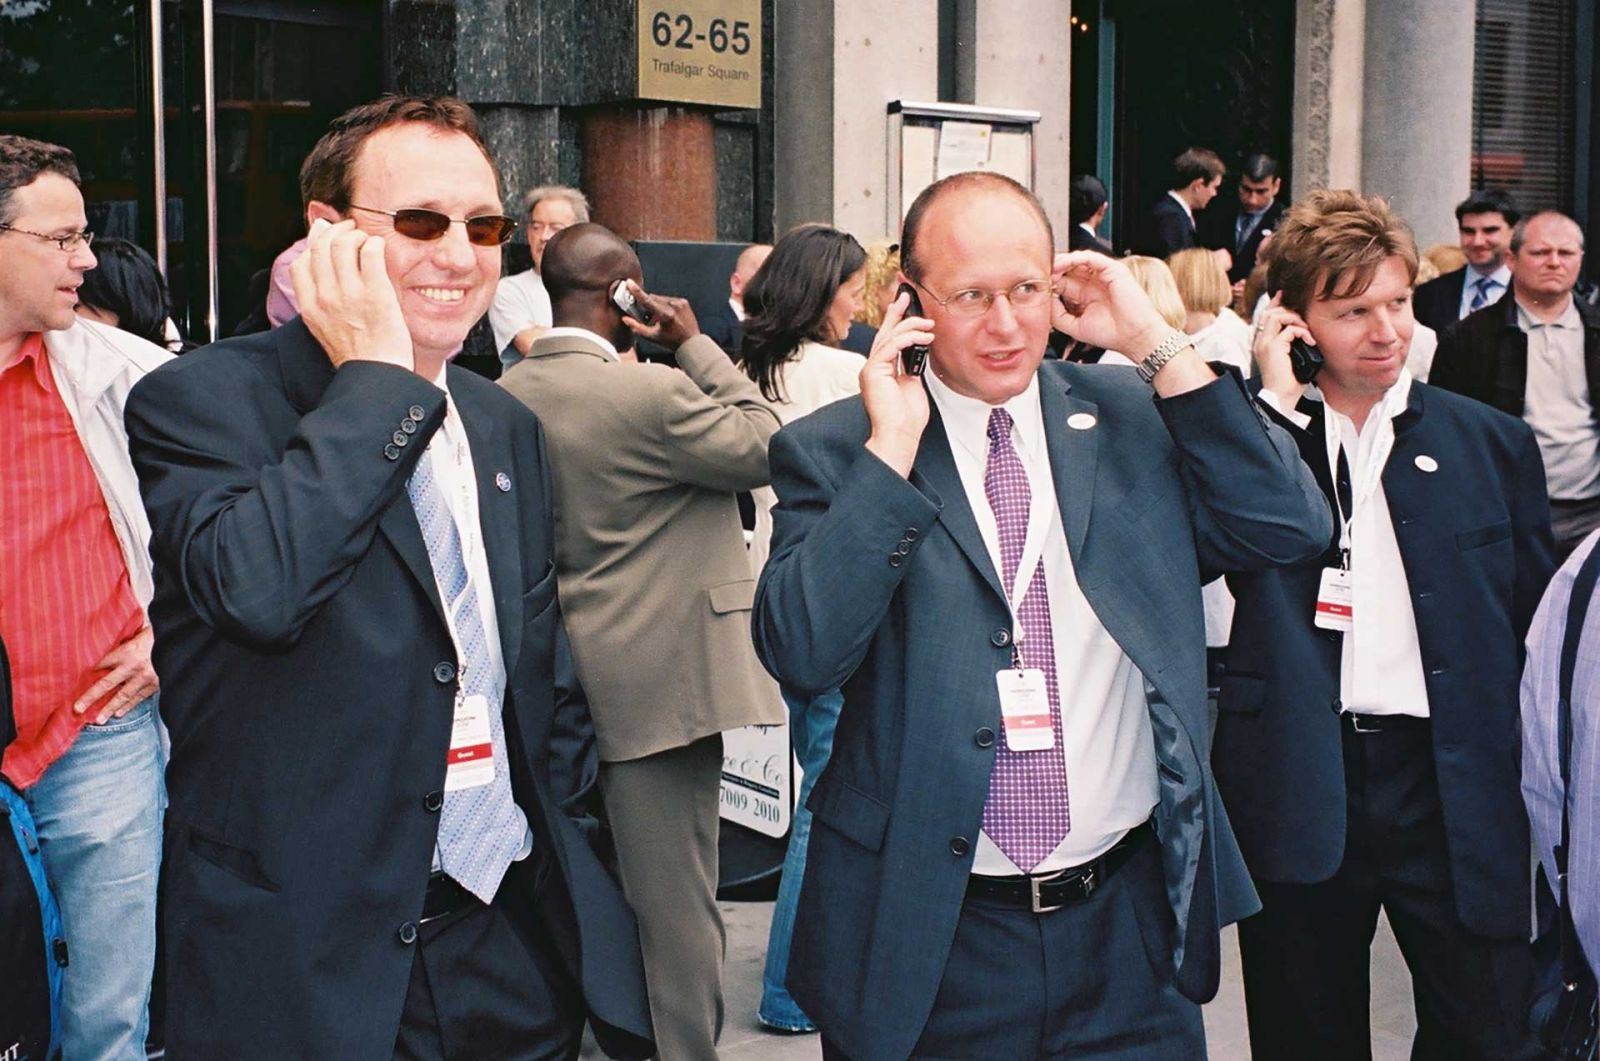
x: 883, y: 265
x: 1332, y: 245
x: 1202, y: 283
x: 1156, y: 279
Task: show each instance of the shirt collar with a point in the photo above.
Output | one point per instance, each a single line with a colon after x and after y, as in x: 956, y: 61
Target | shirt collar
x: 570, y: 332
x: 1179, y: 200
x: 1501, y: 276
x: 737, y: 307
x: 33, y: 348
x: 966, y: 420
x: 1570, y: 318
x: 1391, y: 405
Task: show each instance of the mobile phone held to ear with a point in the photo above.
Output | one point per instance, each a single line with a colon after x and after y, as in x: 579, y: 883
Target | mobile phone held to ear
x: 1305, y: 360
x: 913, y: 359
x: 623, y: 299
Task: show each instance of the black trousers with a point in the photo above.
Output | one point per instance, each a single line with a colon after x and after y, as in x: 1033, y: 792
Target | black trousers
x: 1307, y: 955
x: 1090, y: 980
x: 487, y: 985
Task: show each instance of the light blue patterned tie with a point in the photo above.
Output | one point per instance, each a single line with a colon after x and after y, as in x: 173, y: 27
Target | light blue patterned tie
x: 480, y: 829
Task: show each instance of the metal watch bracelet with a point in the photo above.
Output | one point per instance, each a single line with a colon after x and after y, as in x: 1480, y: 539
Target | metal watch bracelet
x: 1158, y: 358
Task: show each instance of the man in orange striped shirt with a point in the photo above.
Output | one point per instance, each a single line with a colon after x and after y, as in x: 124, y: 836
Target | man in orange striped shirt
x: 74, y: 583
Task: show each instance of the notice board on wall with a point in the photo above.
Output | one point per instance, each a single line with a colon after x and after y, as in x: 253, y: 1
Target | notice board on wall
x: 930, y: 141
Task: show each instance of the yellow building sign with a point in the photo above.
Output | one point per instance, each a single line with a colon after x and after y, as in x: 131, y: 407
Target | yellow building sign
x: 700, y: 51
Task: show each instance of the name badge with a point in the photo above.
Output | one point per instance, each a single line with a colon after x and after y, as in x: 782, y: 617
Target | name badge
x: 471, y: 758
x: 1335, y: 602
x: 1025, y: 709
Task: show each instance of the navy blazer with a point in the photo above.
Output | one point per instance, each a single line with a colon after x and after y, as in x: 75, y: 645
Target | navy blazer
x: 307, y: 679
x: 883, y: 586
x: 1165, y: 229
x: 1474, y: 536
x: 1219, y: 230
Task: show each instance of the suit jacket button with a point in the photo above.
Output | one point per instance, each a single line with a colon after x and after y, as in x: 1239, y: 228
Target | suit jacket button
x: 408, y: 933
x: 400, y: 438
x: 911, y: 534
x: 409, y: 426
x: 415, y: 412
x: 391, y: 451
x: 895, y: 559
x: 984, y: 737
x: 444, y: 672
x: 959, y: 846
x: 1338, y: 706
x: 1000, y: 638
x: 904, y: 548
x: 433, y: 801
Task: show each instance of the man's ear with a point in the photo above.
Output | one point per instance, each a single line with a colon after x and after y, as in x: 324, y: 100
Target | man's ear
x: 316, y: 209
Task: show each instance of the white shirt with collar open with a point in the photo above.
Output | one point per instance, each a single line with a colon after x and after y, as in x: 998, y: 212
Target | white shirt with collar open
x: 1105, y: 723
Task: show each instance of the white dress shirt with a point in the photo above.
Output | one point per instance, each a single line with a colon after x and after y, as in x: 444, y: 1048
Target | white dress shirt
x: 1499, y: 283
x: 1107, y: 741
x: 1179, y: 200
x: 1380, y: 664
x: 568, y: 331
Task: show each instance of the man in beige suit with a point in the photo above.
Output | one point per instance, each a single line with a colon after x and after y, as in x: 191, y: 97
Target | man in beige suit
x: 656, y: 592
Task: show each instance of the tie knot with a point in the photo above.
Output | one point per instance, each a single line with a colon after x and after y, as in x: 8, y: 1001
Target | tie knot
x: 1485, y: 283
x: 999, y: 425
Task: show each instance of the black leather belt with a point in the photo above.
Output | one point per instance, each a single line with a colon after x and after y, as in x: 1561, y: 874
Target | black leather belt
x: 445, y: 896
x: 1052, y: 891
x: 1383, y: 723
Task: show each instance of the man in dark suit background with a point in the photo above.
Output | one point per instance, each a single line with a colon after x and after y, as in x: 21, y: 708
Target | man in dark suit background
x: 1241, y: 232
x: 1485, y: 220
x: 357, y: 626
x: 1366, y: 744
x: 1087, y: 206
x: 966, y: 896
x: 725, y: 324
x: 1170, y: 225
x: 1536, y: 355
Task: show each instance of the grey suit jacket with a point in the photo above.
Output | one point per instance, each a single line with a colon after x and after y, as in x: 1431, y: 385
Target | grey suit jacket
x: 883, y: 585
x: 650, y: 557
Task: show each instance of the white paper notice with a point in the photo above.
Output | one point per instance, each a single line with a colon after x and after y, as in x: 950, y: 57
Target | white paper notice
x: 962, y: 146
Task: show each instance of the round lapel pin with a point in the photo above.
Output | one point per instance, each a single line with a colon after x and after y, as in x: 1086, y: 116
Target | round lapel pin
x: 502, y: 482
x: 1081, y: 421
x: 1427, y: 463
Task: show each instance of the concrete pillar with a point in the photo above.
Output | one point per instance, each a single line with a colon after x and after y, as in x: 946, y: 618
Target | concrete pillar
x: 838, y: 64
x: 1416, y: 143
x: 1021, y: 56
x: 1329, y: 79
x: 650, y: 170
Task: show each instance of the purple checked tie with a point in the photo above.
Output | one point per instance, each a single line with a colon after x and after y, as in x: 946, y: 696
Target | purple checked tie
x: 1026, y: 815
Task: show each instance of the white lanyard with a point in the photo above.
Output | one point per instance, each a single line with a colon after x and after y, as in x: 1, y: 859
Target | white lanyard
x: 1041, y: 519
x: 464, y: 514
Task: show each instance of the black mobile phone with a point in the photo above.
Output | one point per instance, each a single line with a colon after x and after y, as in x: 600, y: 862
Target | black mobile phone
x: 623, y: 299
x: 913, y: 359
x: 1305, y: 360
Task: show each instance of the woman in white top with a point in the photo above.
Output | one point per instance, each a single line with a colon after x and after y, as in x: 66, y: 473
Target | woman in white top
x: 799, y: 303
x: 1218, y: 333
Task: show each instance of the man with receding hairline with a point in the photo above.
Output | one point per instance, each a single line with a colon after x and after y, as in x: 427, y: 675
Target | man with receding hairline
x: 725, y: 324
x: 656, y: 591
x: 1016, y: 849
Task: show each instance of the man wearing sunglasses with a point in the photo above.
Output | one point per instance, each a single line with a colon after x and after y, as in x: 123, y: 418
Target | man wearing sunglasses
x: 74, y: 586
x: 1017, y: 849
x: 356, y: 614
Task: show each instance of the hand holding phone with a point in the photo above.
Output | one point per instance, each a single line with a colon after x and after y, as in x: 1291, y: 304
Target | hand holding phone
x: 913, y: 359
x: 623, y: 299
x: 1305, y: 360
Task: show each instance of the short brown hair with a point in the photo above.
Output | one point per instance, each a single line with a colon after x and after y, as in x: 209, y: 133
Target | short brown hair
x: 326, y: 175
x: 975, y: 179
x: 1331, y: 245
x: 1196, y: 164
x: 22, y: 161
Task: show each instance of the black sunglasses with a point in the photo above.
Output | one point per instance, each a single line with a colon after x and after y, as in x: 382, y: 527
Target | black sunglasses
x: 489, y: 230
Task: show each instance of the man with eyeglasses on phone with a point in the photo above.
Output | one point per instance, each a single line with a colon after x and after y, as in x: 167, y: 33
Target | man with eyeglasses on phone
x: 74, y: 585
x: 1017, y: 850
x: 357, y: 621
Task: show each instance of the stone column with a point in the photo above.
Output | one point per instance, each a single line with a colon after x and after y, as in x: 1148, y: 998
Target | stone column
x: 838, y: 65
x: 1021, y: 57
x: 650, y: 170
x: 1330, y: 58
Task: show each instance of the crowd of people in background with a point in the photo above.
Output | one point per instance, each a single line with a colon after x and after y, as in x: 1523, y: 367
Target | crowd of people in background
x: 423, y: 679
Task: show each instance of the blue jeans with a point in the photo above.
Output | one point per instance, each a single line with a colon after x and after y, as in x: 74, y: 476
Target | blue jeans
x: 98, y: 810
x: 811, y: 726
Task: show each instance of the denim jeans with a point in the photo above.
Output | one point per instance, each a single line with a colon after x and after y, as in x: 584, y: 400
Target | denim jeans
x: 811, y: 726
x: 98, y: 810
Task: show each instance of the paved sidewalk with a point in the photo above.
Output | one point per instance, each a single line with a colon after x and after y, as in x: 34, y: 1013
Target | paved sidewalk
x: 1393, y: 1021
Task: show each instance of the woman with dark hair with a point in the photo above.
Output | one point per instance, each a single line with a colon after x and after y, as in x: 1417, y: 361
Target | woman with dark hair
x: 125, y: 290
x: 799, y: 304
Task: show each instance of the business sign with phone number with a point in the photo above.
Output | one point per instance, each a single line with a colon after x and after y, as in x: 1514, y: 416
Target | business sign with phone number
x: 701, y: 51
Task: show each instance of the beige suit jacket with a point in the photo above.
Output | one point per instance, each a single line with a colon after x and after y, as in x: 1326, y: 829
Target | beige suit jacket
x: 651, y: 563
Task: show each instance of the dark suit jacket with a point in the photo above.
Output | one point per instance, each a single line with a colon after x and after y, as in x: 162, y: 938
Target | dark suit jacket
x: 884, y: 586
x: 725, y: 329
x: 1485, y: 356
x: 1218, y: 228
x: 1437, y: 303
x: 1474, y: 538
x: 1079, y: 240
x: 307, y: 679
x: 1166, y: 228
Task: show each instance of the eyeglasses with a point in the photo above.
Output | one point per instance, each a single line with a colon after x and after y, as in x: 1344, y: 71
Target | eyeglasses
x: 487, y: 230
x: 974, y: 302
x: 68, y: 242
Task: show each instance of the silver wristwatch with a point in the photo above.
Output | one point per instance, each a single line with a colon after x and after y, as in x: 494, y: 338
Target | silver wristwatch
x: 1158, y: 358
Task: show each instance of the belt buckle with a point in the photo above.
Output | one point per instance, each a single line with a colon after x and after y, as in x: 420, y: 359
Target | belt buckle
x: 1086, y: 882
x: 1355, y: 724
